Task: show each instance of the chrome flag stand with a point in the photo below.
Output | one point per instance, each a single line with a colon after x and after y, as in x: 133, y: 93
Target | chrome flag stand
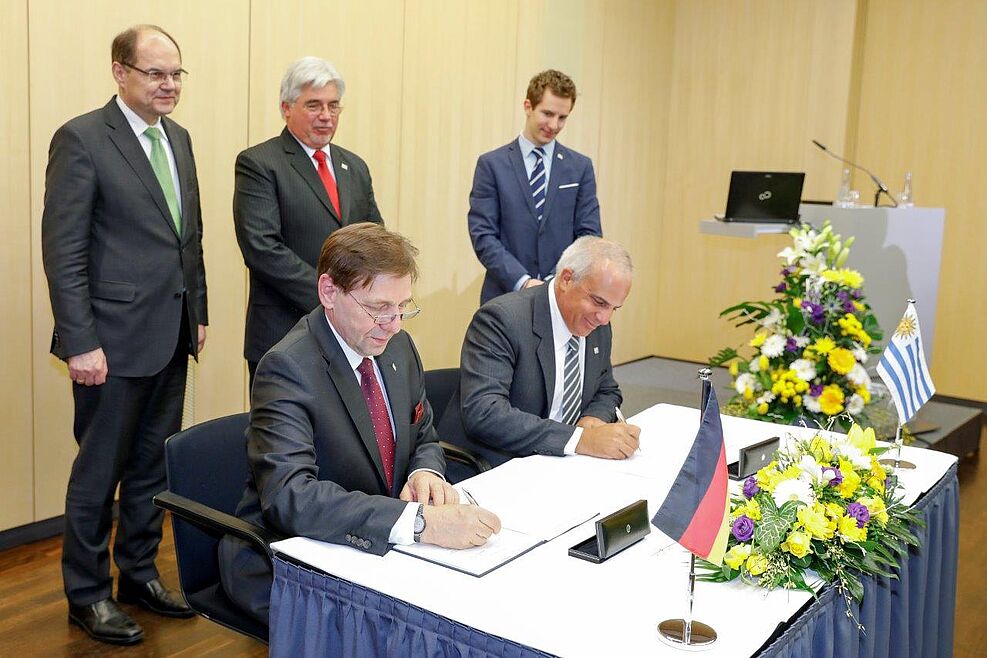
x: 687, y: 633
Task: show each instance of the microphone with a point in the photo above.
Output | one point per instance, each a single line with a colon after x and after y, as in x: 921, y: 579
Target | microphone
x: 881, y: 187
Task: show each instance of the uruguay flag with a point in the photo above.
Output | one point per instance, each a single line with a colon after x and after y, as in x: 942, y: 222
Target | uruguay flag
x: 903, y: 368
x: 696, y: 511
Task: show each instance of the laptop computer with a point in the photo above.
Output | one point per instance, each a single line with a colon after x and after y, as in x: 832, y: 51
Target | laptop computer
x: 764, y: 196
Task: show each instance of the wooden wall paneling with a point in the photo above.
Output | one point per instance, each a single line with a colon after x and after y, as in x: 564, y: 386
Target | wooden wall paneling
x: 923, y: 97
x: 636, y: 79
x: 745, y: 95
x: 458, y: 100
x: 70, y: 65
x: 16, y: 454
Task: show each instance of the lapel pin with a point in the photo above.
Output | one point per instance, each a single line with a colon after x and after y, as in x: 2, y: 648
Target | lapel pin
x: 596, y: 350
x: 559, y: 156
x: 394, y: 367
x: 344, y: 166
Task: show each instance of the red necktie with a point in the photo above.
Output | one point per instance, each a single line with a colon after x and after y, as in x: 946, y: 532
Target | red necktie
x: 328, y: 181
x: 378, y: 414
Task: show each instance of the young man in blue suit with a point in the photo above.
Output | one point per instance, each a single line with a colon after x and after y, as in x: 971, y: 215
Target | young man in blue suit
x: 532, y: 197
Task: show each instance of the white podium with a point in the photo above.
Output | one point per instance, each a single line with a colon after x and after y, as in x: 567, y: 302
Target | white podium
x: 898, y: 251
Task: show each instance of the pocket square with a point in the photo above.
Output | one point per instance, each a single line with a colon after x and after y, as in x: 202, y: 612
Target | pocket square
x: 419, y: 412
x: 562, y: 187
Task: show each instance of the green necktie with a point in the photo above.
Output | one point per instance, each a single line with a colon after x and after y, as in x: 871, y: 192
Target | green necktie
x: 159, y: 163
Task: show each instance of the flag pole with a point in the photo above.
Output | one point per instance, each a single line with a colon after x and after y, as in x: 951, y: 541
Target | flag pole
x: 898, y: 442
x: 686, y: 633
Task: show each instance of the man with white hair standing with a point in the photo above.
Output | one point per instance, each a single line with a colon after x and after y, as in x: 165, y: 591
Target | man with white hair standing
x: 291, y: 192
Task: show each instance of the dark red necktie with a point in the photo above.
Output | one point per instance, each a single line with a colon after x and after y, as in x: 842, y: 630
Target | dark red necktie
x: 328, y: 181
x: 378, y: 414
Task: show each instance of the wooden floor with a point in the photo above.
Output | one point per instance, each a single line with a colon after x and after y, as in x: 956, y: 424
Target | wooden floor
x: 33, y: 609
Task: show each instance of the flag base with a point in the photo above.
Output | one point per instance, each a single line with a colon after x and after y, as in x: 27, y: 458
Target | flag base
x: 903, y: 465
x: 672, y: 633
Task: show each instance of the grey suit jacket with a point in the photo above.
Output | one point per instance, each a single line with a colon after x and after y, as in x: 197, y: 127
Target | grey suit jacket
x: 507, y: 378
x: 119, y: 275
x: 313, y: 454
x: 282, y: 215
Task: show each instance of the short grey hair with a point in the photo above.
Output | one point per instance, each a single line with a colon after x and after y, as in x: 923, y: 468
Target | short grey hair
x: 588, y: 250
x: 309, y: 71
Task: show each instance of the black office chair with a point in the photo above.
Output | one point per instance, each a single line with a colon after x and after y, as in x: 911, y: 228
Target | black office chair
x: 442, y: 391
x: 207, y: 473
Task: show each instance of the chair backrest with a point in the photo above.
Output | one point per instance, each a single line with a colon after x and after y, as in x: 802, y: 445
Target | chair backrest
x: 442, y: 391
x: 206, y: 463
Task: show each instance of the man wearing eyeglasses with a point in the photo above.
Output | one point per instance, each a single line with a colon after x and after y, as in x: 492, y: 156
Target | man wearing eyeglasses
x: 290, y: 193
x: 535, y: 368
x: 341, y: 443
x: 121, y: 238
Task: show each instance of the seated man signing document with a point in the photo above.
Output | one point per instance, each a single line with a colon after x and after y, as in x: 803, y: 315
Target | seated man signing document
x: 340, y: 444
x: 535, y: 368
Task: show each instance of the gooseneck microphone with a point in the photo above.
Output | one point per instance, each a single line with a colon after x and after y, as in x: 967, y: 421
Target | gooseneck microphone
x: 881, y: 187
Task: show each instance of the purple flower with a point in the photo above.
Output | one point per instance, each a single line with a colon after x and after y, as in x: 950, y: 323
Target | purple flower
x: 843, y: 296
x: 817, y: 314
x: 857, y: 294
x: 859, y: 512
x: 837, y: 478
x: 750, y: 487
x: 781, y: 287
x: 816, y: 390
x: 849, y: 307
x: 787, y: 270
x: 743, y: 528
x: 791, y: 345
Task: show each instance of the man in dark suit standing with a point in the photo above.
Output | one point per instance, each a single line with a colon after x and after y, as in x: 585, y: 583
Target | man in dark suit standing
x: 536, y: 377
x: 532, y: 197
x: 291, y: 192
x: 341, y: 445
x: 121, y: 237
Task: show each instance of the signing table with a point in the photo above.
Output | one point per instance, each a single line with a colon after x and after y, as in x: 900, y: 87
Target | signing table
x: 330, y: 600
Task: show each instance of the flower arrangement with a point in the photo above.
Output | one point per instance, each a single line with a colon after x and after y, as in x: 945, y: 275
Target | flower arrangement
x: 810, y: 343
x: 823, y: 505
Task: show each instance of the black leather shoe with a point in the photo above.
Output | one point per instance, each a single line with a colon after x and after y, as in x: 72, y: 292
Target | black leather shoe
x: 106, y: 622
x: 154, y: 596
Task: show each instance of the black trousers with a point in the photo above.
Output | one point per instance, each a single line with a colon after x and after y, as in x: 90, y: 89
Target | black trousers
x: 120, y: 427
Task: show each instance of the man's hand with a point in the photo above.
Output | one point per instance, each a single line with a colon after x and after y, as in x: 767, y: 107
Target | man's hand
x: 88, y: 368
x: 533, y: 282
x: 458, y: 526
x: 427, y: 487
x: 202, y: 337
x: 589, y: 422
x: 609, y: 441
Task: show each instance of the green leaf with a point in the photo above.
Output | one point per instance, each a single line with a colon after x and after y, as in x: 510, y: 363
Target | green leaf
x: 775, y: 524
x: 724, y: 355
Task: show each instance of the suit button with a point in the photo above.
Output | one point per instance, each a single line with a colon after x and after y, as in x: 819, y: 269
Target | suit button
x: 349, y: 537
x: 178, y: 295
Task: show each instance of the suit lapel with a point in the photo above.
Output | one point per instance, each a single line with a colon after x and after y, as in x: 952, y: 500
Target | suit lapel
x: 394, y: 372
x: 130, y: 148
x: 300, y: 163
x: 345, y: 383
x: 541, y: 316
x: 183, y: 163
x: 517, y: 164
x: 590, y: 364
x: 560, y: 172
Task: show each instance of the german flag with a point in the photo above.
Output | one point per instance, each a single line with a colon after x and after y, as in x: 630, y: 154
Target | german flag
x: 696, y: 511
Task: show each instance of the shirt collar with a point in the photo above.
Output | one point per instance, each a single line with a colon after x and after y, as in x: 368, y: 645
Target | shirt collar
x: 351, y: 355
x: 137, y: 124
x: 560, y: 331
x: 527, y: 147
x: 311, y: 151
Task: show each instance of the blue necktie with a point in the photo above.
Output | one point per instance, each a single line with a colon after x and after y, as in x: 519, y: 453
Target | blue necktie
x: 572, y: 383
x: 538, y: 182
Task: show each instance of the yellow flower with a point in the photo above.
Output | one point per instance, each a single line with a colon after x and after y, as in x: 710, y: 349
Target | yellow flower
x: 878, y: 511
x: 762, y: 408
x: 851, y: 479
x: 821, y: 449
x: 857, y: 305
x: 845, y: 276
x: 833, y: 510
x: 798, y: 544
x: 841, y: 360
x: 876, y: 483
x: 848, y: 528
x: 748, y: 393
x: 758, y: 339
x: 823, y: 345
x: 768, y: 477
x: 863, y: 439
x: 734, y: 369
x: 751, y: 508
x: 737, y: 555
x: 756, y: 564
x: 815, y: 522
x: 762, y: 361
x: 864, y: 394
x: 831, y: 400
x: 797, y: 302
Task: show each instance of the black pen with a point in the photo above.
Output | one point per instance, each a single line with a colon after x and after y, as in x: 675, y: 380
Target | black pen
x: 470, y: 498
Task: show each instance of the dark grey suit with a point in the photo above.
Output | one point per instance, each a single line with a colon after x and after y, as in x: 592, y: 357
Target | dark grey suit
x: 282, y: 215
x: 313, y: 455
x: 508, y: 378
x: 121, y: 279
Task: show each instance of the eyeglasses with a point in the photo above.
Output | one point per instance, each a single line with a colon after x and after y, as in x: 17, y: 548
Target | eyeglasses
x: 388, y: 318
x: 317, y: 107
x: 157, y: 77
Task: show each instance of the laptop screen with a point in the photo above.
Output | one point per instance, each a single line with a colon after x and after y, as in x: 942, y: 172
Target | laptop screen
x: 764, y: 196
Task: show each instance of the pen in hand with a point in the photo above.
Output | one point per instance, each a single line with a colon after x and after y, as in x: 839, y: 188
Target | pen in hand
x: 470, y: 498
x: 620, y: 416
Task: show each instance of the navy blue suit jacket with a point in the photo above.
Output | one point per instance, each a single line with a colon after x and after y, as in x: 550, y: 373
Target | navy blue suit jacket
x: 507, y: 236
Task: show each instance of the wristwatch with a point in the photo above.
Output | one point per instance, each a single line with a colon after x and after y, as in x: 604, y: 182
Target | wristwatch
x: 419, y: 523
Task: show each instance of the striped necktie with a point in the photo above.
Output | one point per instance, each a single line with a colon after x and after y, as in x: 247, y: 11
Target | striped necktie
x: 159, y: 163
x: 572, y: 383
x: 538, y: 182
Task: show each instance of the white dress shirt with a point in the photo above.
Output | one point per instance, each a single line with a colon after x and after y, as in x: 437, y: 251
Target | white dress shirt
x: 138, y: 125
